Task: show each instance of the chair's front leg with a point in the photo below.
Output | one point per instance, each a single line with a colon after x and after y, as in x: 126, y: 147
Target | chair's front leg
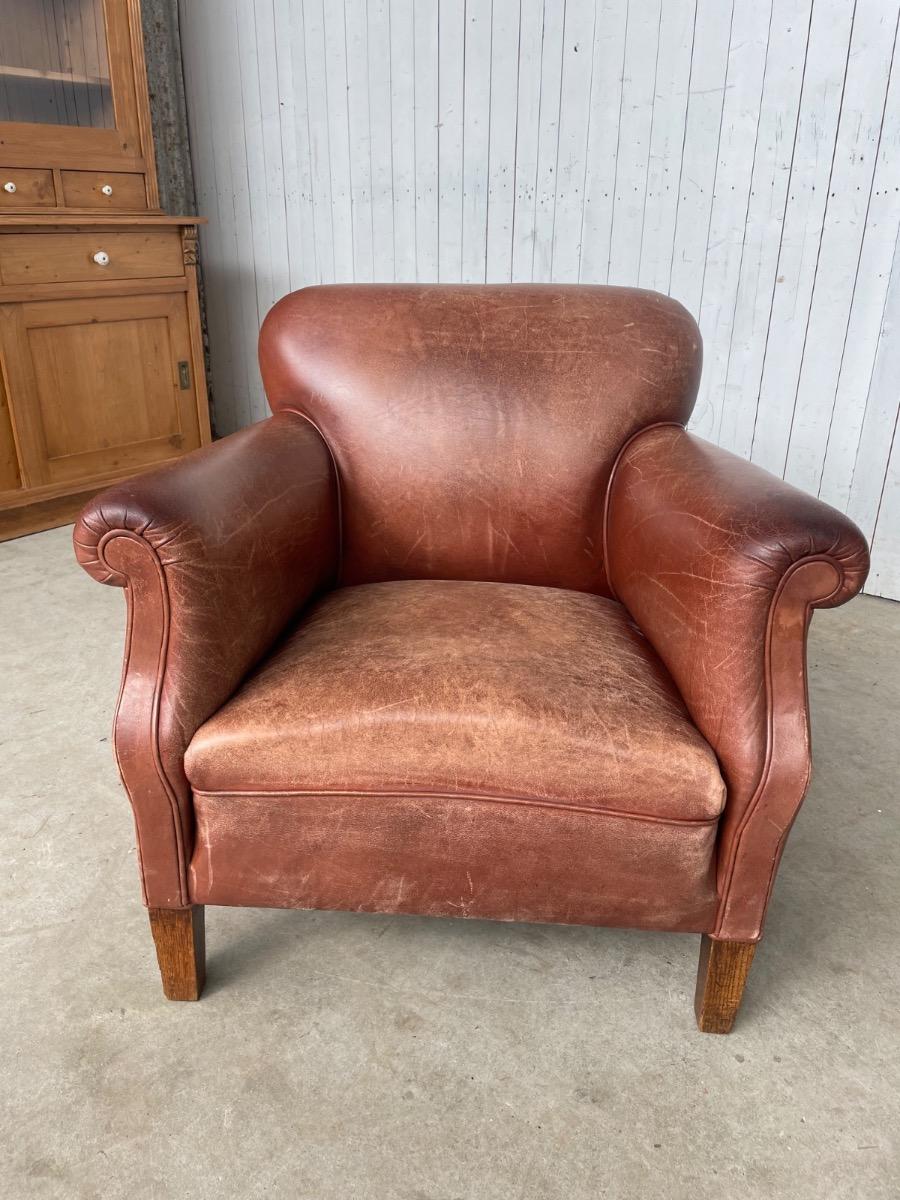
x: 180, y: 939
x: 721, y: 977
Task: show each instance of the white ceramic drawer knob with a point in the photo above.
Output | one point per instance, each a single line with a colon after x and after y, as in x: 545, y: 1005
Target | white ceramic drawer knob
x: 9, y: 187
x: 101, y: 258
x: 106, y: 189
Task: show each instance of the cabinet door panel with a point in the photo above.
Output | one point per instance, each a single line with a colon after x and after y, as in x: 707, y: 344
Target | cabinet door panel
x: 9, y: 460
x: 100, y: 386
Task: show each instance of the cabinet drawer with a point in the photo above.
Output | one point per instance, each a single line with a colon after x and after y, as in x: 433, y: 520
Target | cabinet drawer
x: 84, y: 189
x: 26, y: 187
x: 75, y: 257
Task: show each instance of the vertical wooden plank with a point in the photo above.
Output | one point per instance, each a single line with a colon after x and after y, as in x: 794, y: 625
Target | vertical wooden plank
x: 673, y: 70
x: 226, y: 116
x: 701, y: 147
x: 276, y: 258
x: 632, y: 161
x: 880, y: 421
x: 451, y: 101
x: 531, y: 34
x: 603, y: 140
x: 276, y: 262
x: 502, y: 149
x: 381, y: 139
x: 810, y: 178
x: 299, y: 220
x: 852, y: 420
x: 337, y: 106
x: 849, y: 193
x: 728, y: 219
x: 403, y: 157
x: 476, y: 138
x: 204, y: 134
x: 574, y: 118
x: 317, y: 129
x: 215, y: 239
x: 239, y: 98
x: 258, y: 247
x: 885, y: 576
x: 426, y: 106
x: 548, y: 141
x: 356, y: 31
x: 779, y: 109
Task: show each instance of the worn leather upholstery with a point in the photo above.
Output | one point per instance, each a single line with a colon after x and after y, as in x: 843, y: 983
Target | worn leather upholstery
x: 508, y: 691
x: 720, y: 563
x: 474, y: 428
x: 444, y: 700
x: 217, y: 553
x: 471, y: 625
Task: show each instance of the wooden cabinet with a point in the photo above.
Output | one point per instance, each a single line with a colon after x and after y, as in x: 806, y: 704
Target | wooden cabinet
x: 102, y: 370
x: 102, y: 374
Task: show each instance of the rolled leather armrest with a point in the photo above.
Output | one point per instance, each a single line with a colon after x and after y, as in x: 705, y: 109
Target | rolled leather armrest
x: 217, y: 552
x: 720, y: 564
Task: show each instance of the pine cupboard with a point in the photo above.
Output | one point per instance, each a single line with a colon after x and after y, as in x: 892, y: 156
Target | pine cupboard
x: 101, y: 359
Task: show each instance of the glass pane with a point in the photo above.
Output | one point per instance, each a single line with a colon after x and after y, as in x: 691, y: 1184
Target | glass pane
x: 54, y: 69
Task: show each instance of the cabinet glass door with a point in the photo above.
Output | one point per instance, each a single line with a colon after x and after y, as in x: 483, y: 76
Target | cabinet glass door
x: 68, y: 91
x: 54, y: 63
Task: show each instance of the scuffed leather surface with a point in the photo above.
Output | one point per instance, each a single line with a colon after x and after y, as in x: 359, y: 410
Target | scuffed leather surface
x: 453, y: 857
x: 443, y: 746
x: 218, y: 552
x: 720, y: 563
x: 432, y: 687
x: 474, y: 428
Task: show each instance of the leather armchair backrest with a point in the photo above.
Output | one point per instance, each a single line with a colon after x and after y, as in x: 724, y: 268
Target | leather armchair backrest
x: 474, y: 429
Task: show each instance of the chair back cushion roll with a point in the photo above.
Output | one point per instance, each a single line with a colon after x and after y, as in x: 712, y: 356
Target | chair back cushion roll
x: 474, y: 428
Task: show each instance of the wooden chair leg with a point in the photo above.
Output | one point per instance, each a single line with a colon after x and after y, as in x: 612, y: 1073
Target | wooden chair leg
x: 181, y: 949
x: 721, y: 976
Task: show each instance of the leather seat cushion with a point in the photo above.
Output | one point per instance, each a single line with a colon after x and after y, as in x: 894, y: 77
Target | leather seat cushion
x: 460, y: 749
x: 456, y: 688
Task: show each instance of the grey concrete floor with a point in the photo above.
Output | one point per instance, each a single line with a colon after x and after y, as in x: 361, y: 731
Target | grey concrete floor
x: 343, y: 1056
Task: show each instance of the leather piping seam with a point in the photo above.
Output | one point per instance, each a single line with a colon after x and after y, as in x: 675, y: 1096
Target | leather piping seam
x: 526, y: 801
x: 766, y: 769
x: 607, y: 569
x: 162, y: 663
x: 129, y: 630
x: 339, y: 565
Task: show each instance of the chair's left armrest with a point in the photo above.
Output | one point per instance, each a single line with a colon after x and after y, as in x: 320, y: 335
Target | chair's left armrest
x: 217, y: 552
x: 720, y: 564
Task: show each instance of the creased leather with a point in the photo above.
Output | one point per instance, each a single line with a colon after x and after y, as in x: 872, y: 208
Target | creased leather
x: 460, y: 858
x: 435, y: 687
x: 217, y: 552
x: 720, y: 564
x: 474, y: 428
x: 449, y: 759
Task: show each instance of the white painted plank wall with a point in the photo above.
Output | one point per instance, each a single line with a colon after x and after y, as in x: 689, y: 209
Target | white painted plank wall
x: 743, y: 155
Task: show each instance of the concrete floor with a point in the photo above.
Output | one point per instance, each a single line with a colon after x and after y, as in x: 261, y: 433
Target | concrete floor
x: 342, y: 1056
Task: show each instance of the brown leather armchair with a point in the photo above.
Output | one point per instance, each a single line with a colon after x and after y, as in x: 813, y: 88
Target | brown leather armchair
x: 469, y: 627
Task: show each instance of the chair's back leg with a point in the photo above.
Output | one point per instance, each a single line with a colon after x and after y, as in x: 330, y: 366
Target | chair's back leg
x: 721, y: 976
x: 181, y: 949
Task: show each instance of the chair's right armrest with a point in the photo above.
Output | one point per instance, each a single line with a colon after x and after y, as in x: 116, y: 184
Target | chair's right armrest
x: 721, y: 564
x: 217, y: 552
